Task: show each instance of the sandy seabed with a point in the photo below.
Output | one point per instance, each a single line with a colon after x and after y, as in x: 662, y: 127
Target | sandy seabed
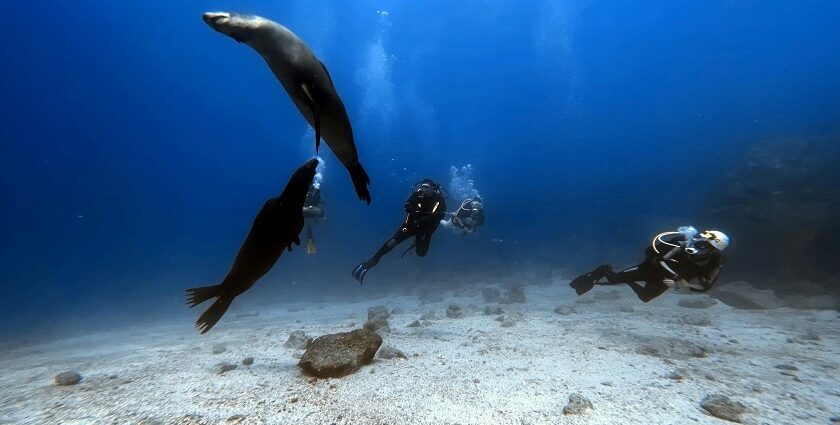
x: 637, y: 363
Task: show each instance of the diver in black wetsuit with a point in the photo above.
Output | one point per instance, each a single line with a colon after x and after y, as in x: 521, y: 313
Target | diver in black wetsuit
x: 469, y: 216
x: 313, y: 210
x: 424, y: 210
x: 673, y: 259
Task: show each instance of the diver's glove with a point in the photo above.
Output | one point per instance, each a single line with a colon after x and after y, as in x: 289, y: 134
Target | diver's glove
x: 361, y: 270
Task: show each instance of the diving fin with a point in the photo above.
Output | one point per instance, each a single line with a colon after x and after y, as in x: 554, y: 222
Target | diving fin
x: 583, y: 283
x: 316, y: 115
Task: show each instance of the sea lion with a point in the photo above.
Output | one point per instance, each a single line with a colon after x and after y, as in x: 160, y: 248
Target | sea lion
x: 275, y: 228
x: 305, y: 79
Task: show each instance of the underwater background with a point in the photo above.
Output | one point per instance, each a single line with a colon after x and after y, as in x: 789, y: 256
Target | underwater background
x: 136, y: 145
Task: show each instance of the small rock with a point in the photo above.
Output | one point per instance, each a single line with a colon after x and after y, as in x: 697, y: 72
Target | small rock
x: 235, y: 419
x: 514, y: 295
x: 219, y: 349
x: 720, y: 406
x: 294, y: 398
x: 493, y: 311
x: 390, y: 353
x: 298, y: 340
x: 336, y: 355
x: 564, y: 310
x: 607, y: 296
x: 675, y: 376
x: 248, y: 361
x: 696, y: 320
x: 696, y: 302
x: 429, y: 316
x: 454, y: 311
x: 626, y: 309
x: 67, y: 378
x: 223, y: 367
x: 414, y: 324
x: 577, y: 405
x: 379, y: 310
x: 378, y: 324
x: 491, y: 295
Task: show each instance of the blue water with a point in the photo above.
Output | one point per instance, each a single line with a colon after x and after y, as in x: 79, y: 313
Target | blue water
x: 137, y: 144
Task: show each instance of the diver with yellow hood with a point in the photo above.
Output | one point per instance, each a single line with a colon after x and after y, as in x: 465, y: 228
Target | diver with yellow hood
x: 683, y: 260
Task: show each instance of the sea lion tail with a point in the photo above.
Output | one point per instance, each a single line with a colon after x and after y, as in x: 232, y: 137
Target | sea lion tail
x: 209, y: 318
x: 360, y: 181
x: 196, y: 296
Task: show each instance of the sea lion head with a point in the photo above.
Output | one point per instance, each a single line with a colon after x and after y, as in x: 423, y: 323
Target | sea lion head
x: 300, y: 181
x: 238, y: 26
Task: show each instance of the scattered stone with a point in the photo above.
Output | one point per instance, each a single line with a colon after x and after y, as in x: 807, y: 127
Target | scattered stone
x: 414, y: 324
x: 219, y: 349
x: 454, y: 311
x: 67, y: 378
x: 564, y: 310
x: 336, y: 355
x: 696, y: 302
x: 607, y: 295
x: 696, y: 320
x: 577, y: 405
x: 626, y: 309
x: 429, y: 316
x: 514, y: 295
x: 235, y: 419
x: 298, y: 340
x: 722, y: 407
x: 671, y: 348
x: 378, y: 324
x: 248, y: 361
x: 675, y: 376
x: 743, y: 296
x: 397, y: 310
x: 223, y: 367
x: 510, y: 320
x: 787, y: 367
x: 491, y: 295
x: 390, y: 353
x: 379, y: 310
x: 493, y: 311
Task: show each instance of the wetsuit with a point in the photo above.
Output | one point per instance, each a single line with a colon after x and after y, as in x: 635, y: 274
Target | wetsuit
x: 424, y: 210
x: 668, y: 262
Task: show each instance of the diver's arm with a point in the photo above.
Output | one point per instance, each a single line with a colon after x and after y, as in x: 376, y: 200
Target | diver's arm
x: 707, y: 283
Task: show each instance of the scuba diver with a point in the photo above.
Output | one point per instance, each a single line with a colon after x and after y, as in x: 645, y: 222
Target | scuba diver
x: 672, y: 260
x: 313, y: 210
x: 424, y: 210
x: 469, y: 216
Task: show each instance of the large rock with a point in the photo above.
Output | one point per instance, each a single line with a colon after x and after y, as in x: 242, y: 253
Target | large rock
x: 379, y: 310
x: 378, y: 324
x: 514, y: 295
x: 742, y: 295
x: 336, y: 355
x: 298, y: 340
x: 720, y: 406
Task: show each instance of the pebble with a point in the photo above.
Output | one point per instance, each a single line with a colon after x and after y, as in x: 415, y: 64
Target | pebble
x: 223, y: 367
x: 248, y: 361
x: 67, y: 378
x: 577, y: 405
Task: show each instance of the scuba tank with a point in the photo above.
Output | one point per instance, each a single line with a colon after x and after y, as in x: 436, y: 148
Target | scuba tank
x: 689, y: 232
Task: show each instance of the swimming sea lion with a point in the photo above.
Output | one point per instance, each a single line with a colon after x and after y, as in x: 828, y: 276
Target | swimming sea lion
x: 305, y: 79
x: 275, y: 228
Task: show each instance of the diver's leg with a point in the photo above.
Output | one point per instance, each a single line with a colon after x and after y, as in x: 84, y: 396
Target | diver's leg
x: 424, y: 237
x: 632, y: 274
x: 405, y: 231
x: 652, y: 289
x: 585, y: 282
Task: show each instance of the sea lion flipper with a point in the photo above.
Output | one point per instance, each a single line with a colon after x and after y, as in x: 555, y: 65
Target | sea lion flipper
x: 326, y: 72
x: 316, y: 115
